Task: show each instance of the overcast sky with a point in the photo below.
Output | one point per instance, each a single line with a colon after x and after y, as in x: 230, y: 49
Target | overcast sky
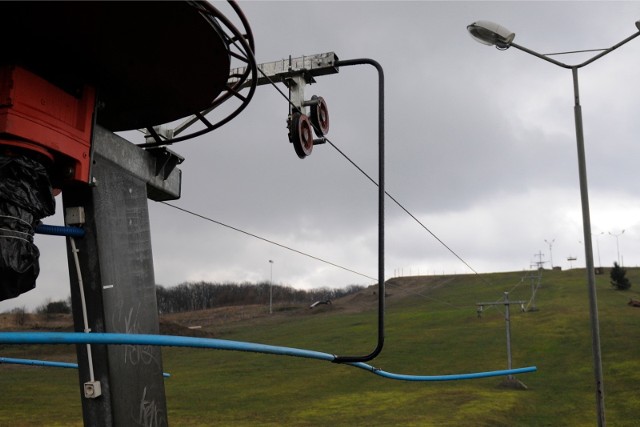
x: 480, y: 148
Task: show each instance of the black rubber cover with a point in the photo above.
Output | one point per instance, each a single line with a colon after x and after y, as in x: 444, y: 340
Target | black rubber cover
x: 25, y: 198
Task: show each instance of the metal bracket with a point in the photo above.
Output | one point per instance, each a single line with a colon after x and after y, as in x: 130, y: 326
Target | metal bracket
x: 166, y: 160
x: 162, y: 176
x: 296, y: 84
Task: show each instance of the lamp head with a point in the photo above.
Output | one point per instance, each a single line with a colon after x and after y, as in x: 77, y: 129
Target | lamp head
x: 638, y: 25
x: 491, y: 34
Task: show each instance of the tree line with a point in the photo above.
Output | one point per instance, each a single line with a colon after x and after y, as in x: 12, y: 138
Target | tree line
x: 191, y: 296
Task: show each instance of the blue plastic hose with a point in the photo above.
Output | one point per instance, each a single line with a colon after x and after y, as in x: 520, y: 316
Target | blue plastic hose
x: 32, y: 362
x: 218, y: 344
x: 58, y: 230
x: 46, y: 363
x: 452, y: 377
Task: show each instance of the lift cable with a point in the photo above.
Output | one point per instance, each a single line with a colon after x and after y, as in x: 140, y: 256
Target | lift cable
x: 295, y: 108
x: 391, y: 285
x: 422, y: 295
x: 79, y: 232
x: 404, y: 209
x: 266, y: 240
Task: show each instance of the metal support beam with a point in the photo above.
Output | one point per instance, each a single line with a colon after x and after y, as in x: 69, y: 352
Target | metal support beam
x: 320, y: 64
x: 116, y: 267
x: 507, y: 319
x: 282, y: 71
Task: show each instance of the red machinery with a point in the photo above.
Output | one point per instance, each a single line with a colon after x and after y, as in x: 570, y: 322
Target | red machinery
x: 102, y: 64
x: 39, y: 117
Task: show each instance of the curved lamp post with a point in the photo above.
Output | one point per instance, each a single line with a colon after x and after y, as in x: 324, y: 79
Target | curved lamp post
x: 493, y: 34
x: 550, y: 243
x: 617, y: 244
x: 598, y: 246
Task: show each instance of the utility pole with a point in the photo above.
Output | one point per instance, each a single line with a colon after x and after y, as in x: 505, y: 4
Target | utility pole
x: 534, y: 278
x: 510, y: 381
x: 539, y: 263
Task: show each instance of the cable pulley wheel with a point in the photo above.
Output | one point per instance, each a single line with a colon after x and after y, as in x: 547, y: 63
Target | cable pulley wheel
x: 300, y: 134
x: 319, y: 116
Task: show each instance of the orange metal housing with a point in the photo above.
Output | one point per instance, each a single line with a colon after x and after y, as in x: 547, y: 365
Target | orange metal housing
x: 39, y: 116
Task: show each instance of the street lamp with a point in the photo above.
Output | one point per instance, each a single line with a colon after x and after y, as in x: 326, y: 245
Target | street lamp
x: 598, y: 247
x: 493, y: 34
x: 550, y: 250
x: 271, y: 287
x: 617, y: 245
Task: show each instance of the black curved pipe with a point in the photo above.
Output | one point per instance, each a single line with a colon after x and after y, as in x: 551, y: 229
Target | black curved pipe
x: 381, y: 193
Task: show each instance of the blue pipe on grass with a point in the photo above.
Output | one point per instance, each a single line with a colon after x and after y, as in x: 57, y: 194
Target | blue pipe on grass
x: 452, y: 377
x: 32, y: 362
x: 218, y: 344
x: 47, y: 363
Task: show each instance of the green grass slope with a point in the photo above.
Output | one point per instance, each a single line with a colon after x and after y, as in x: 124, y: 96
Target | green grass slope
x: 431, y: 328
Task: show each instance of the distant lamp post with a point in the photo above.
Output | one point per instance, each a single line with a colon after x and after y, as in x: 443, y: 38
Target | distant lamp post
x: 617, y: 244
x: 493, y: 34
x: 550, y: 250
x: 598, y: 247
x: 271, y: 288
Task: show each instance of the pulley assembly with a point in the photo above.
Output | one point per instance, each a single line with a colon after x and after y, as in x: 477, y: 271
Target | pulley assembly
x: 300, y: 122
x: 304, y: 115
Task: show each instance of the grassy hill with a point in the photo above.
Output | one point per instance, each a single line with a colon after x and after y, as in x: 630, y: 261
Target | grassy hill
x: 431, y: 328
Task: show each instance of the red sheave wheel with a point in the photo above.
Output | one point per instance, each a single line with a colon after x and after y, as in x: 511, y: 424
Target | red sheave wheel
x: 320, y: 116
x: 300, y: 134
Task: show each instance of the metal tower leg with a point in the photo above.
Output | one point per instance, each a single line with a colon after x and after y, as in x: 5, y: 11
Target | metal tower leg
x: 117, y: 270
